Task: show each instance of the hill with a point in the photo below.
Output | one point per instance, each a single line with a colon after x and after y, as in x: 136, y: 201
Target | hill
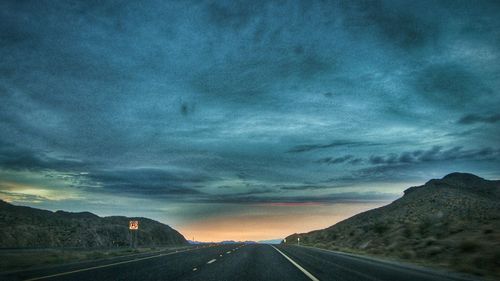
x: 452, y: 222
x: 29, y: 227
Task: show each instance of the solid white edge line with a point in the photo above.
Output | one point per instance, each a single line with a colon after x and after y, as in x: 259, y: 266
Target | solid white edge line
x: 103, y: 266
x: 297, y: 265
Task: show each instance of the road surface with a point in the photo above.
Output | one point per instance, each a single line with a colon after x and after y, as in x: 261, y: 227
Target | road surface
x: 237, y: 262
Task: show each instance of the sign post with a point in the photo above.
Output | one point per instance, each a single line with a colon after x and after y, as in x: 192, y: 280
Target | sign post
x: 133, y: 227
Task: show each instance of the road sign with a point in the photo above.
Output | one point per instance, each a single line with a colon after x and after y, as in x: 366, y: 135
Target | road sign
x: 133, y: 225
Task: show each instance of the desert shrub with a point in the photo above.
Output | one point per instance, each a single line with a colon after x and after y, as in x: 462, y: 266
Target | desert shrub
x: 320, y: 245
x: 468, y: 246
x: 488, y: 231
x: 481, y: 262
x: 496, y: 258
x: 380, y: 227
x: 407, y: 231
x: 433, y: 251
x: 425, y: 225
x: 456, y: 227
x: 409, y: 254
x: 430, y: 241
x: 332, y: 247
x: 333, y: 236
x: 95, y: 255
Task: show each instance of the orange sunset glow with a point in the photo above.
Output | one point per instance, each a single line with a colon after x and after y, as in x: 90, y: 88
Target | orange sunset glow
x: 279, y: 220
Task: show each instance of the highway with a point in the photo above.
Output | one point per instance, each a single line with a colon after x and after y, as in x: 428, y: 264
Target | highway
x: 237, y: 262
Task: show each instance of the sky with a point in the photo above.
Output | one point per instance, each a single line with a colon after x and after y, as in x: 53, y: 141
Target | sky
x: 243, y: 120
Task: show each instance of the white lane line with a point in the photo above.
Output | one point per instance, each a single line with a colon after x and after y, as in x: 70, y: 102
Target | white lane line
x: 211, y: 261
x: 106, y: 265
x: 297, y: 265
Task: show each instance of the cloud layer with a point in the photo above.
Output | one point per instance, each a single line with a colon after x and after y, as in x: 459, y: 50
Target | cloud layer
x: 237, y: 102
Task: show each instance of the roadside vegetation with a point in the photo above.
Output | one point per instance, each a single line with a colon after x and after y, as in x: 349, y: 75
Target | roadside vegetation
x: 25, y: 259
x: 451, y: 223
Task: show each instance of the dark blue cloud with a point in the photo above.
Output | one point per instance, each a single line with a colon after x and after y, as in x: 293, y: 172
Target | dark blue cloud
x: 474, y: 118
x: 234, y: 101
x: 451, y: 85
x: 338, y: 160
x: 13, y: 157
x: 345, y: 197
x: 149, y: 182
x: 407, y: 25
x: 437, y: 154
x: 337, y: 143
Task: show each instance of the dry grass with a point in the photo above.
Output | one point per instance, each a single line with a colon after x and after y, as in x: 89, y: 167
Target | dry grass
x: 442, y: 224
x: 12, y: 260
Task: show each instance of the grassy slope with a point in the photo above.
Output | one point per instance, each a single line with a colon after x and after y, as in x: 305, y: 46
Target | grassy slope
x: 30, y: 227
x: 13, y: 260
x: 453, y: 222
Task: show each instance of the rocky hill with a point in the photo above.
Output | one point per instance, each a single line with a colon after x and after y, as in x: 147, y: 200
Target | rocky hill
x: 452, y: 222
x: 30, y: 227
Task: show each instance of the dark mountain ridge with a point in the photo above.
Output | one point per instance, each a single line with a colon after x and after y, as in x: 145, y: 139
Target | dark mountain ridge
x: 463, y: 181
x: 22, y: 227
x: 453, y: 222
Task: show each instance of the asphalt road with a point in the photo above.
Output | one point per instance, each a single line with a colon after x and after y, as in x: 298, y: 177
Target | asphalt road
x: 238, y: 262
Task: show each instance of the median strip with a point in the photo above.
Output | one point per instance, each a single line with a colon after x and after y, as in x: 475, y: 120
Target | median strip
x: 297, y: 265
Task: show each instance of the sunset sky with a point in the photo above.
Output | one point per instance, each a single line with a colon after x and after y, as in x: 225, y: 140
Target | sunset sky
x: 243, y: 120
